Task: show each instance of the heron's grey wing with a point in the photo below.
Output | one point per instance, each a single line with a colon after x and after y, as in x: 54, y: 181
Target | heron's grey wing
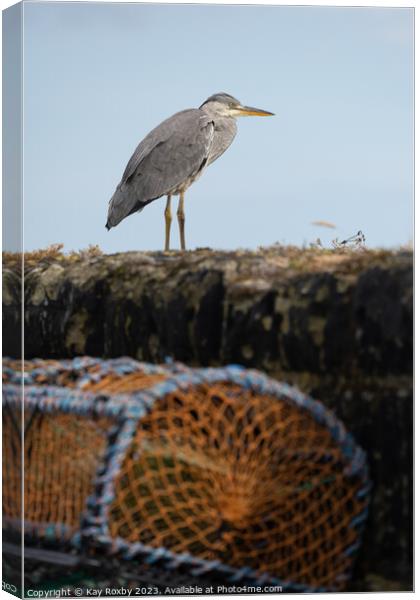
x: 176, y: 150
x: 158, y: 135
x: 182, y: 155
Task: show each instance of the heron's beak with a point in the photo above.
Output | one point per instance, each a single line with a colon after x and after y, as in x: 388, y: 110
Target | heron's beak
x: 250, y: 111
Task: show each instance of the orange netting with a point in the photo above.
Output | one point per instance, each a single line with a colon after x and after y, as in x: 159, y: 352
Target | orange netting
x: 61, y: 456
x: 225, y: 474
x: 132, y: 382
x: 12, y: 464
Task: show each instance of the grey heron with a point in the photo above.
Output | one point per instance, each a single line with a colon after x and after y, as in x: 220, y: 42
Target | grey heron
x: 173, y: 155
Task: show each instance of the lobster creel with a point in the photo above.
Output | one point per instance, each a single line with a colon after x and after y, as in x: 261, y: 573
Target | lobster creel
x: 218, y: 470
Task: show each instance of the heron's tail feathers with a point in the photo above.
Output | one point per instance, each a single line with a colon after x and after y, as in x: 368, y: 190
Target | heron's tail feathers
x: 122, y: 204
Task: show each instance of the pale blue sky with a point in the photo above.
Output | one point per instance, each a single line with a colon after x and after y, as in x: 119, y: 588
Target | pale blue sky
x: 98, y: 77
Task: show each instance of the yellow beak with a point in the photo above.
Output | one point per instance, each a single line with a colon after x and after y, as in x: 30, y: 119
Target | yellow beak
x: 253, y: 112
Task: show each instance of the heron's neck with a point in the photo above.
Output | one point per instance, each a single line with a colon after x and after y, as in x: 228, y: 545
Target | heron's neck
x: 224, y: 134
x: 222, y: 123
x: 225, y: 125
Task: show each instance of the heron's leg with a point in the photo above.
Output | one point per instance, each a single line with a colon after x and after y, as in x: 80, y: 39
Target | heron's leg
x: 181, y: 220
x: 168, y: 220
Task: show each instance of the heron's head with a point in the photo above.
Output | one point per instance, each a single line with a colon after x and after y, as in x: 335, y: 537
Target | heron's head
x: 225, y: 105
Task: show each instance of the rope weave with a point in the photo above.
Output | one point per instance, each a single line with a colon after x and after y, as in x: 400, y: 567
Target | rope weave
x: 219, y: 471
